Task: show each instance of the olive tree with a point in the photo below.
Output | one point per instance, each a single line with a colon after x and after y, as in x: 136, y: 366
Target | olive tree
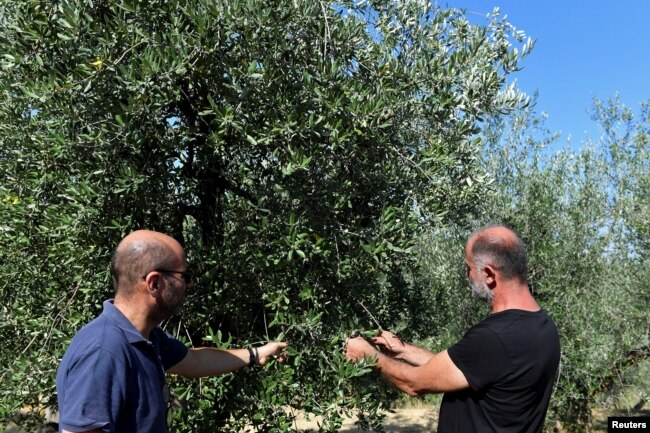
x: 580, y: 212
x: 295, y: 148
x: 583, y: 214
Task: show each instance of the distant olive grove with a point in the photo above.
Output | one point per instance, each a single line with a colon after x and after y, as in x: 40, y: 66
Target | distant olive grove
x: 585, y: 215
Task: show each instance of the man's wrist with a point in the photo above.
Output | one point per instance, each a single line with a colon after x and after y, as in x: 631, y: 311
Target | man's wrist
x: 382, y: 358
x: 253, y: 357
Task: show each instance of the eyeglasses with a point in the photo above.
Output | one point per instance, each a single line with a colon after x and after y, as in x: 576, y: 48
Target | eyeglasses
x: 187, y: 275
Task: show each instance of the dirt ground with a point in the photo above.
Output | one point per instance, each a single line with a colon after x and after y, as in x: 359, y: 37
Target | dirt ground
x: 406, y: 420
x: 402, y: 421
x: 420, y: 420
x: 411, y: 420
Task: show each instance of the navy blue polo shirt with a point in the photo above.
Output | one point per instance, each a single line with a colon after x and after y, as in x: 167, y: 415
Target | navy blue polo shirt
x: 112, y: 378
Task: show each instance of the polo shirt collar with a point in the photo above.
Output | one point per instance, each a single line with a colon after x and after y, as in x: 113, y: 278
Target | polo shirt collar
x: 113, y: 314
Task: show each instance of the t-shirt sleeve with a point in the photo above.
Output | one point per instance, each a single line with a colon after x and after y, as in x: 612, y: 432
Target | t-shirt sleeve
x: 94, y: 392
x: 481, y: 356
x: 172, y: 351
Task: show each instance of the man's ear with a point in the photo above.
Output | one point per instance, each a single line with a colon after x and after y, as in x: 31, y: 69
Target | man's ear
x: 152, y: 282
x: 489, y: 276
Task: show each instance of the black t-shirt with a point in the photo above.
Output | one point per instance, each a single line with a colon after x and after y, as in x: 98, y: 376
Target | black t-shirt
x: 510, y: 360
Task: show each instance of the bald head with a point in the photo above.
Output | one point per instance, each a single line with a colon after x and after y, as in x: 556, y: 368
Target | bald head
x: 141, y: 252
x: 502, y: 248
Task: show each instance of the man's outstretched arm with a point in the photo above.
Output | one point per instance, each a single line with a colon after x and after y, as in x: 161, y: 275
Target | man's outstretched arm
x: 206, y: 361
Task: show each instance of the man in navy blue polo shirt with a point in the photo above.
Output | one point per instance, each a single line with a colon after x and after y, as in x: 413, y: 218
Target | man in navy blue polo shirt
x: 112, y: 378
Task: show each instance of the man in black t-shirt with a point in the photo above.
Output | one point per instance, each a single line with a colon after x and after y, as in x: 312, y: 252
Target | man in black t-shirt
x: 499, y: 376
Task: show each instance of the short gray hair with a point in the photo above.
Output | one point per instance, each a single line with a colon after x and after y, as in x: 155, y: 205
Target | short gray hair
x: 506, y: 253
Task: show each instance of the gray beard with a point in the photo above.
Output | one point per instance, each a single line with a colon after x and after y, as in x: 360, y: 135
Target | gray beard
x: 482, y: 291
x: 167, y: 308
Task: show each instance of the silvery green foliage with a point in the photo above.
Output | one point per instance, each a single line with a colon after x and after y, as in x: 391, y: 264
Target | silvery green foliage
x: 584, y: 215
x: 297, y: 148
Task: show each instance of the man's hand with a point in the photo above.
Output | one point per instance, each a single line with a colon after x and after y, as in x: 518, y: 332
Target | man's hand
x: 391, y: 346
x: 359, y: 348
x: 389, y: 343
x: 274, y: 348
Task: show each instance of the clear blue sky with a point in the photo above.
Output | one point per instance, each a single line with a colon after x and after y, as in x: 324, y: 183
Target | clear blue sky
x: 583, y: 49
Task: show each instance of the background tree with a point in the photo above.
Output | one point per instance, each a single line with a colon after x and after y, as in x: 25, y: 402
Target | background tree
x: 584, y: 217
x: 579, y: 212
x: 296, y: 148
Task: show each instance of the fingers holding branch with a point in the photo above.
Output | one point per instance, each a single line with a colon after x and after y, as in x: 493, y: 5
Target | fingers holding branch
x: 389, y: 343
x: 272, y: 350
